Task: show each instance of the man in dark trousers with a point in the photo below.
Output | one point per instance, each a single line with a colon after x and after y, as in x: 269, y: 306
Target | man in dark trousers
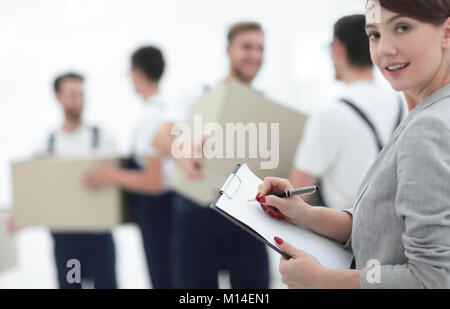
x: 94, y: 251
x: 146, y: 175
x: 204, y: 242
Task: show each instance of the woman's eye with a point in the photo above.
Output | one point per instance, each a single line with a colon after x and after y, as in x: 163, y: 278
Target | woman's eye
x: 373, y: 36
x: 402, y: 29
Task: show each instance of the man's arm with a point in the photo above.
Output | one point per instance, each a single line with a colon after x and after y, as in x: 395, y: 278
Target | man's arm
x: 163, y: 139
x: 148, y: 180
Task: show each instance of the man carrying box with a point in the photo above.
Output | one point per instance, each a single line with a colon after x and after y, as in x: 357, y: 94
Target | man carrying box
x: 203, y: 241
x: 94, y: 251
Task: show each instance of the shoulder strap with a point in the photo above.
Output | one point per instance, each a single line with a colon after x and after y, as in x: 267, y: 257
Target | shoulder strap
x: 94, y: 144
x: 366, y: 120
x: 95, y: 137
x: 51, y: 144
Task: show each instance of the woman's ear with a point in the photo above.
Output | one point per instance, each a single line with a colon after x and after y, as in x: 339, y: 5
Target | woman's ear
x: 446, y: 29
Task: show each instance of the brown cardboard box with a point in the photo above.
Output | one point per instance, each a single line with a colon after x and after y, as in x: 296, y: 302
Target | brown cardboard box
x: 8, y: 251
x: 50, y: 192
x: 233, y: 102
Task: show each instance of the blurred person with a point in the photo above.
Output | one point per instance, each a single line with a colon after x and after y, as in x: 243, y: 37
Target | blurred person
x: 95, y: 251
x: 341, y: 142
x: 146, y: 174
x: 204, y: 242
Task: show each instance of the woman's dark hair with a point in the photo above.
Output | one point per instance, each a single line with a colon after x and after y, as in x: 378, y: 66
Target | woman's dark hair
x: 430, y: 11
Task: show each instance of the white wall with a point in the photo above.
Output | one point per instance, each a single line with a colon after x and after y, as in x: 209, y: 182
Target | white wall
x: 40, y: 39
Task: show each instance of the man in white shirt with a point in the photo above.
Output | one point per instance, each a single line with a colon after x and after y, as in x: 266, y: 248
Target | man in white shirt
x: 204, y: 242
x: 341, y: 142
x: 95, y: 251
x: 146, y: 174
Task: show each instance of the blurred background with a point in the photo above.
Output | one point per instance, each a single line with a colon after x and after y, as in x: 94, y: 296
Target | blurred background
x: 41, y: 39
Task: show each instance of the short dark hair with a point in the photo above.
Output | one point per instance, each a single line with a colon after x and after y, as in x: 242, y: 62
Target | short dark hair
x: 150, y: 61
x: 350, y: 30
x: 70, y: 75
x: 242, y: 27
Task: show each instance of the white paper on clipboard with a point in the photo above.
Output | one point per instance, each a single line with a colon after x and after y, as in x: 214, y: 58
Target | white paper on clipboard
x: 232, y: 202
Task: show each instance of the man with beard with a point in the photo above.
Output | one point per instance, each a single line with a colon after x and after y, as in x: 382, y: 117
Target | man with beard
x: 94, y: 251
x: 204, y: 242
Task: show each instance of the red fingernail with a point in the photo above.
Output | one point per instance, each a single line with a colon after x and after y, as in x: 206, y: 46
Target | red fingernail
x: 261, y: 199
x: 263, y: 206
x: 271, y: 213
x: 278, y: 240
x: 279, y: 217
x: 259, y: 194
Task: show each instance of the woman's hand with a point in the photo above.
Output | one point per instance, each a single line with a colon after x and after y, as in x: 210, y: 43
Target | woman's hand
x: 292, y: 209
x: 302, y: 270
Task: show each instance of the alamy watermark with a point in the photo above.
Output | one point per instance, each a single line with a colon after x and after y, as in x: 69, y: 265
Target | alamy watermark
x: 373, y: 12
x: 234, y: 141
x: 374, y: 273
x: 74, y: 274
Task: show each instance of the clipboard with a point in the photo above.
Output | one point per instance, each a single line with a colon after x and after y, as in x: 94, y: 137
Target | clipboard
x: 223, y: 193
x: 252, y: 219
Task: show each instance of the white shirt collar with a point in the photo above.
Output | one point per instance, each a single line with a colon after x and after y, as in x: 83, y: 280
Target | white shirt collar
x: 155, y: 100
x: 77, y: 131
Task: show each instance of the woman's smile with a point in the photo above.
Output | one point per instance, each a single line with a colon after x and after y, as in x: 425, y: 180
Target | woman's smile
x: 396, y: 68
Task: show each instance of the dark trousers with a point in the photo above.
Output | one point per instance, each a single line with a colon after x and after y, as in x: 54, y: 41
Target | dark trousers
x: 153, y: 215
x: 96, y: 254
x: 204, y: 242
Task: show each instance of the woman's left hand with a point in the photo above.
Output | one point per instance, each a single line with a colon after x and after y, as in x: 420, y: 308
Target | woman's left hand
x: 302, y: 270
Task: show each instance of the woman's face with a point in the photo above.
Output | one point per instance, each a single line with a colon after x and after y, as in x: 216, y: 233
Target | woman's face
x: 408, y: 52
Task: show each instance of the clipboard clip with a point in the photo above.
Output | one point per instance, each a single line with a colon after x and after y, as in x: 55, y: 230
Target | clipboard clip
x: 231, y: 187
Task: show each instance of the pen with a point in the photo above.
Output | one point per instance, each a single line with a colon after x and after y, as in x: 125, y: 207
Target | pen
x: 299, y: 191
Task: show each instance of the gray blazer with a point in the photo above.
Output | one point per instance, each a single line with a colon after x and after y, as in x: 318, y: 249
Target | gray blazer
x: 401, y: 218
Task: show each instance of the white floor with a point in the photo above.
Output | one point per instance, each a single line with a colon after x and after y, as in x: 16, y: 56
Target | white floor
x: 35, y: 268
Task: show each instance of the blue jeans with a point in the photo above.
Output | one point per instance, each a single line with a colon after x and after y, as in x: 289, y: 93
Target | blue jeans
x: 153, y: 215
x: 96, y: 254
x: 205, y: 242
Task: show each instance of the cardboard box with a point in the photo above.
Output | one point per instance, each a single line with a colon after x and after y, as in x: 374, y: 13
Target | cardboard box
x: 8, y: 251
x: 51, y: 192
x: 235, y: 103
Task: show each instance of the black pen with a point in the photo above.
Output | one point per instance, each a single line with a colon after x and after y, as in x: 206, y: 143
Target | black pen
x: 299, y: 191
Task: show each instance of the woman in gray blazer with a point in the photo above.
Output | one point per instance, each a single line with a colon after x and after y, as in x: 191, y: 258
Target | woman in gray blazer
x: 399, y: 227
